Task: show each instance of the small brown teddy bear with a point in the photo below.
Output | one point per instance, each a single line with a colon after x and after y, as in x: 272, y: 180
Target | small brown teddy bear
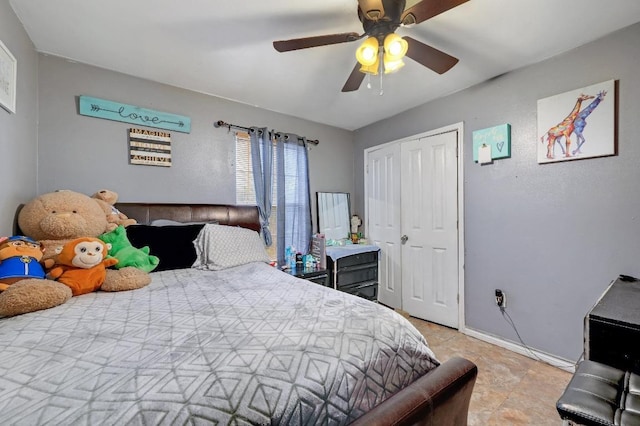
x: 107, y: 198
x: 53, y: 219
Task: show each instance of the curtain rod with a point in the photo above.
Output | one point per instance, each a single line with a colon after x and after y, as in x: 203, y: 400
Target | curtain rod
x: 221, y: 123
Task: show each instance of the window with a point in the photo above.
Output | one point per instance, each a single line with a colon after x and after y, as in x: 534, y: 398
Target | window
x: 293, y: 196
x: 245, y: 190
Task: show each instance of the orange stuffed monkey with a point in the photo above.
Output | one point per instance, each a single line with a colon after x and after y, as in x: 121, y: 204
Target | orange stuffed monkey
x: 81, y: 265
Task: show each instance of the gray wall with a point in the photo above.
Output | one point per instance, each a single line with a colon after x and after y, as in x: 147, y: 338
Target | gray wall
x: 86, y: 154
x: 18, y: 132
x: 552, y: 236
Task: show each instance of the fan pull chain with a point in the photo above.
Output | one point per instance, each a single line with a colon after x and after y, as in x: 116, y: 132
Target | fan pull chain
x: 381, y: 70
x: 368, y: 81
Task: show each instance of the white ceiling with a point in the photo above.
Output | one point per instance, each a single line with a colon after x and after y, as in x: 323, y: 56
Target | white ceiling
x: 224, y: 47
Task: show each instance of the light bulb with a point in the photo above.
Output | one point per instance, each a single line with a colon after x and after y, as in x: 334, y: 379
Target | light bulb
x: 395, y: 48
x: 369, y: 53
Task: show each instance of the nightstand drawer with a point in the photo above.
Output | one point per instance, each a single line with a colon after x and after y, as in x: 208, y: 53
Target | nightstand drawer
x: 367, y: 290
x: 357, y: 274
x: 322, y: 279
x: 358, y: 259
x: 318, y: 276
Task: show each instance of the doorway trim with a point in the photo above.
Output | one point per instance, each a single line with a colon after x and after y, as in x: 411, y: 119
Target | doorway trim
x: 459, y: 127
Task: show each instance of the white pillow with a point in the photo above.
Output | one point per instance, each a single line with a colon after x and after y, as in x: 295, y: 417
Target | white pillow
x: 220, y: 247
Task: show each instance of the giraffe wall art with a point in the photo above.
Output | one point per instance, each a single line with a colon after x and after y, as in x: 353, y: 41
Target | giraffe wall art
x: 577, y: 124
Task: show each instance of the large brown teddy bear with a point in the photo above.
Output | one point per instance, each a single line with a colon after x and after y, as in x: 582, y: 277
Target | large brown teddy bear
x: 106, y: 199
x: 54, y: 219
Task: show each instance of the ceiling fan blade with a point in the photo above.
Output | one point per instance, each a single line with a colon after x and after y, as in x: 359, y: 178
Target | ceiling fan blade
x: 430, y: 57
x: 428, y: 9
x: 354, y: 81
x: 303, y: 43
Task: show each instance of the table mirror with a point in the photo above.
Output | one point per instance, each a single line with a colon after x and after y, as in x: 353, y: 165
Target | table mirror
x: 334, y: 215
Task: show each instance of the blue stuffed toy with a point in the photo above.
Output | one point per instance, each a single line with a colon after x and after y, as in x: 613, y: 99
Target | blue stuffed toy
x: 20, y: 258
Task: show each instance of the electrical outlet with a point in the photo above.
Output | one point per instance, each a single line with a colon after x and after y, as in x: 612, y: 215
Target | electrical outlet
x: 501, y: 298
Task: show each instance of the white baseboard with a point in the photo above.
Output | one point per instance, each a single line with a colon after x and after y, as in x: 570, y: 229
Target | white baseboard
x: 554, y: 361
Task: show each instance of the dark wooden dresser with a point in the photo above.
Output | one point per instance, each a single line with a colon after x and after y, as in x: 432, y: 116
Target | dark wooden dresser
x: 315, y: 275
x: 612, y: 326
x: 354, y: 270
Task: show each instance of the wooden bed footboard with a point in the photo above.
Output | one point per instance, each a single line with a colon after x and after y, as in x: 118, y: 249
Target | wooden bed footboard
x: 439, y: 398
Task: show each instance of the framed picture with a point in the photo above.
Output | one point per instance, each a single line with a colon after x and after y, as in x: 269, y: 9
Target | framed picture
x: 577, y: 124
x: 8, y: 74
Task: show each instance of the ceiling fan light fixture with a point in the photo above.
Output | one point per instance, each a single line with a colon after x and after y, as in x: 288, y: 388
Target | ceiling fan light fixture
x: 393, y: 66
x: 367, y: 53
x: 395, y: 47
x: 372, y: 68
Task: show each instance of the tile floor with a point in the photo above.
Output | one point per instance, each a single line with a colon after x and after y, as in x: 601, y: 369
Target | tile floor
x: 511, y: 389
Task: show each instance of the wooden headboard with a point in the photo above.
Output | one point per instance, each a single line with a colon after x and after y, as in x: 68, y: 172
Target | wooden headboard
x: 244, y: 216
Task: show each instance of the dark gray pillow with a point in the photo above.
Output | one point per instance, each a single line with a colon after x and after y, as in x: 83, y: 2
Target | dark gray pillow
x: 172, y: 244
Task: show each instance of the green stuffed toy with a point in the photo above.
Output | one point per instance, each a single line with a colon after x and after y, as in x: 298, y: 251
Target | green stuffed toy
x: 127, y: 254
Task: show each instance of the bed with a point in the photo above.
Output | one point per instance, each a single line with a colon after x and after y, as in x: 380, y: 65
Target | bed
x: 224, y: 343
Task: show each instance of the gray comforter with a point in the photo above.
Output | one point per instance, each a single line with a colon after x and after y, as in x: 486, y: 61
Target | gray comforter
x: 247, y: 345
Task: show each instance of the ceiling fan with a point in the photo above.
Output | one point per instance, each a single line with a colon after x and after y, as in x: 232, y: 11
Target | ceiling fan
x: 380, y: 19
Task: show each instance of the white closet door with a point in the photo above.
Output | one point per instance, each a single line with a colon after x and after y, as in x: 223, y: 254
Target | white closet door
x: 383, y: 219
x: 429, y: 221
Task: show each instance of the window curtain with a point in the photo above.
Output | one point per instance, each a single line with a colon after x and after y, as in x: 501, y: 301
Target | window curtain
x: 262, y: 165
x: 294, y: 198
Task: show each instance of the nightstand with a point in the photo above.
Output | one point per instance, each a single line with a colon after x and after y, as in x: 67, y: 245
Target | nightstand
x: 354, y: 269
x: 316, y: 275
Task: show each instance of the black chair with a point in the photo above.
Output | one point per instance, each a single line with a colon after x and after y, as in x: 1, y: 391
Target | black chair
x: 599, y: 394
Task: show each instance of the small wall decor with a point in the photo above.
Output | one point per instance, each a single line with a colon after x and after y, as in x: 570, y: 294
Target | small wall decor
x: 577, y: 124
x: 101, y: 108
x: 494, y: 142
x: 149, y: 147
x: 8, y: 76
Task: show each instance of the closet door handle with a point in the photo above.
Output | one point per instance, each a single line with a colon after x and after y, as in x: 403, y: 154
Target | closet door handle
x: 404, y: 239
